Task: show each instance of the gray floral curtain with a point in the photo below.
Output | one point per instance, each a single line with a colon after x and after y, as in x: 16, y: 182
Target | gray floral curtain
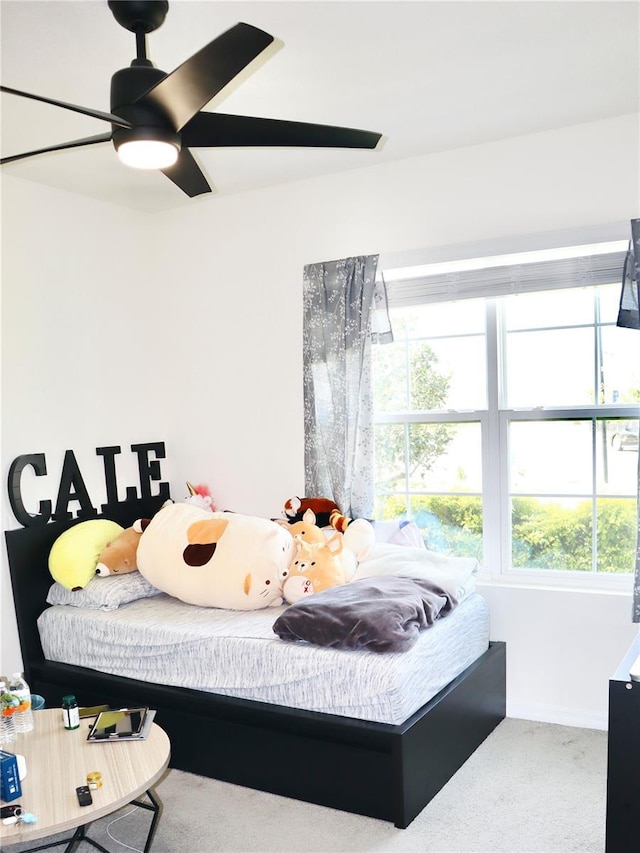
x: 345, y: 311
x: 629, y: 317
x: 629, y: 311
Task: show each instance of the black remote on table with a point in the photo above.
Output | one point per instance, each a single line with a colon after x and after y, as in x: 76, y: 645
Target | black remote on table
x: 84, y: 795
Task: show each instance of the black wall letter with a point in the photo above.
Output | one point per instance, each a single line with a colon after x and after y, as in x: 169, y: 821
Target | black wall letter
x: 71, y: 476
x: 110, y: 480
x: 39, y: 465
x: 149, y: 470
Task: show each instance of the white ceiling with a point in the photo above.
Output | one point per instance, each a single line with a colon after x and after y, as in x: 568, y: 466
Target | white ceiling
x: 430, y: 76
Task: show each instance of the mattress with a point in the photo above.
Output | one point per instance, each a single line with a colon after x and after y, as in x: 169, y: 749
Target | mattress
x: 234, y: 653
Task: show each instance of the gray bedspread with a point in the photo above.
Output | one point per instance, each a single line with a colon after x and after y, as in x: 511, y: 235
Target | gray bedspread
x: 381, y: 614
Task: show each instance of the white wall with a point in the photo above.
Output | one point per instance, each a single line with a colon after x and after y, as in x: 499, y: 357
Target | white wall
x: 562, y: 646
x: 196, y: 340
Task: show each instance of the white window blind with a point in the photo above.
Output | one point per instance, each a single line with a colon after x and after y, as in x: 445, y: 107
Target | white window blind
x: 503, y: 279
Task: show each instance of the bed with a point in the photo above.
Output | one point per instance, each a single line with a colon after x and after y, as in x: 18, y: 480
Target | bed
x: 336, y: 757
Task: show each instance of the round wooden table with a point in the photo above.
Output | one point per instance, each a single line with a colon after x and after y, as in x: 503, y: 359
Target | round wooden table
x: 58, y: 762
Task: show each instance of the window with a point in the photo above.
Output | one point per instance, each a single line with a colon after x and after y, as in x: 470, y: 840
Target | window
x: 506, y: 426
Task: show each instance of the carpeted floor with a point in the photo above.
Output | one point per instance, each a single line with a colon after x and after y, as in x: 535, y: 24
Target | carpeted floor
x: 530, y: 788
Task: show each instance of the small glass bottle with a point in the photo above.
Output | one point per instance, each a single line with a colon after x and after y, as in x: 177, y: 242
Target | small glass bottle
x: 70, y: 713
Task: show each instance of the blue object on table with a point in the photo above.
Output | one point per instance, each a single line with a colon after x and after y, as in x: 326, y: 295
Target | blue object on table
x: 10, y: 788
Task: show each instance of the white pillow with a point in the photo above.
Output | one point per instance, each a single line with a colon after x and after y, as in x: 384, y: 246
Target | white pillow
x: 456, y: 575
x: 399, y: 532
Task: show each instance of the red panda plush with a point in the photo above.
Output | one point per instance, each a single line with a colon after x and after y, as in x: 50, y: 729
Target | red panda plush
x: 326, y: 511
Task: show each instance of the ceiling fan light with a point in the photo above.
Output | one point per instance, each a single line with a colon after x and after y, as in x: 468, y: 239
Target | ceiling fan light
x: 148, y: 153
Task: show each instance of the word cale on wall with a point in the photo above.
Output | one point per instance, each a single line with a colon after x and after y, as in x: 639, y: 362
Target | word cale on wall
x: 72, y: 486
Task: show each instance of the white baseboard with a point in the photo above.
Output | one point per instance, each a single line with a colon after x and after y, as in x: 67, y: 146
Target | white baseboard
x: 559, y: 715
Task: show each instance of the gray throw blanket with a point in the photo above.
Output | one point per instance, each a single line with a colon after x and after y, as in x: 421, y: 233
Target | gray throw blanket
x: 382, y: 614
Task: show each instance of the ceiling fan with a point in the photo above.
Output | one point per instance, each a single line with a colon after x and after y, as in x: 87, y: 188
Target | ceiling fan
x: 157, y: 117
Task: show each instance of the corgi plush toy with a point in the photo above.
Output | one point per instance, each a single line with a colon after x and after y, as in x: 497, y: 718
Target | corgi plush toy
x: 216, y: 559
x: 355, y: 543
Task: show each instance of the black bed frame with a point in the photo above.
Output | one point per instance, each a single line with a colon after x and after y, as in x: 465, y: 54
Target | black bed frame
x: 383, y: 771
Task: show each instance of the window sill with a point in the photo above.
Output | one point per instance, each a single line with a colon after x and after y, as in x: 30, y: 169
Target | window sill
x: 603, y: 585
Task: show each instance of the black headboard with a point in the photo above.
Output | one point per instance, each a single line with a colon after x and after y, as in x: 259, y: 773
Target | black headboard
x: 28, y: 552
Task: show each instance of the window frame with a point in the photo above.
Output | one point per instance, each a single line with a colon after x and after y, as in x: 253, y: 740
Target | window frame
x: 496, y: 496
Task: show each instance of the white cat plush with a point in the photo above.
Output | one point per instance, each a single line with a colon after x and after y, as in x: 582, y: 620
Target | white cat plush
x: 219, y: 559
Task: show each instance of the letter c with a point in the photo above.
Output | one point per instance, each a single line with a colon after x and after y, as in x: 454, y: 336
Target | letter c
x: 39, y: 465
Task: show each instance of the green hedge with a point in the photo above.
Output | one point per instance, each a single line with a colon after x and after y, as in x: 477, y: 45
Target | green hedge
x: 546, y: 535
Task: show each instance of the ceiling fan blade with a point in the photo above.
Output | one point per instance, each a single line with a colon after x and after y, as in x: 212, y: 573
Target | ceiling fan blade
x: 183, y: 92
x: 75, y: 143
x: 187, y: 175
x: 215, y: 130
x: 110, y: 117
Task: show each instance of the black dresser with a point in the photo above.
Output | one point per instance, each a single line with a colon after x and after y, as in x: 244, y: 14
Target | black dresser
x: 623, y: 758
